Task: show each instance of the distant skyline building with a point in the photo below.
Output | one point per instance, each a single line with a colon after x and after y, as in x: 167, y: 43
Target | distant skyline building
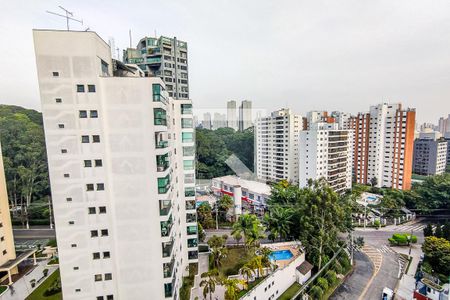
x: 276, y: 146
x: 343, y: 119
x: 245, y: 115
x: 219, y: 121
x: 121, y: 158
x: 430, y: 156
x: 325, y: 151
x: 444, y: 125
x: 163, y: 57
x: 384, y: 144
x: 207, y: 121
x: 447, y: 138
x: 232, y: 116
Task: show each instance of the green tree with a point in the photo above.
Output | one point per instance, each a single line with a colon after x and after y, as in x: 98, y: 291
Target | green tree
x: 201, y: 232
x: 437, y: 253
x: 446, y: 231
x: 247, y: 272
x: 25, y: 160
x: 232, y: 288
x: 428, y: 230
x: 216, y: 242
x: 209, y: 282
x: 331, y: 277
x: 316, y: 292
x: 250, y: 227
x: 438, y: 231
x: 256, y: 264
x: 323, y: 283
x: 237, y: 236
x: 278, y: 221
x: 204, y: 215
x: 225, y: 203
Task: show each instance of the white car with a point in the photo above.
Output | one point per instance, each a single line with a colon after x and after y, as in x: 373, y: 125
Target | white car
x: 388, y: 294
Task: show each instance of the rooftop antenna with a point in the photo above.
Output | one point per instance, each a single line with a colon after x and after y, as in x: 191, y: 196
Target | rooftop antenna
x: 68, y: 16
x: 129, y: 32
x: 118, y: 53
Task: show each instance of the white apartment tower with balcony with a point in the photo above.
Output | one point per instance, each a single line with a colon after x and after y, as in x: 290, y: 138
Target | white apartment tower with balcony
x: 121, y: 166
x: 325, y: 151
x: 232, y: 117
x: 276, y: 146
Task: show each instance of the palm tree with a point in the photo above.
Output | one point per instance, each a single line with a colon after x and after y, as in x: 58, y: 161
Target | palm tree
x: 244, y: 225
x: 224, y: 205
x: 218, y: 254
x: 232, y: 288
x: 247, y: 271
x: 255, y: 234
x: 265, y: 253
x: 209, y: 282
x: 256, y: 264
x: 278, y: 221
x: 237, y: 236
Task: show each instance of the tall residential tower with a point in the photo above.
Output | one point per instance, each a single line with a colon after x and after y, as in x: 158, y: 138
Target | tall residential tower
x: 121, y: 165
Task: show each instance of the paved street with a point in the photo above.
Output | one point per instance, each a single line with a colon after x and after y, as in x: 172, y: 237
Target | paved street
x: 355, y: 283
x: 34, y: 233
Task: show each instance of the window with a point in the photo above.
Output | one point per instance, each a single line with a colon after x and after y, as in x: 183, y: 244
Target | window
x: 98, y: 163
x: 96, y: 139
x: 91, y: 210
x: 102, y: 210
x: 187, y: 137
x: 94, y: 114
x: 87, y: 163
x: 96, y: 255
x: 105, y: 72
x: 100, y: 186
x: 89, y: 187
x: 100, y: 298
x: 188, y: 164
x: 61, y: 126
x: 85, y: 139
x: 76, y: 268
x: 91, y: 88
x: 80, y: 88
x: 78, y: 290
x: 109, y: 297
x: 66, y: 175
x: 83, y: 114
x: 63, y: 151
x: 106, y: 254
x: 2, y: 238
x: 94, y: 233
x: 98, y: 277
x: 108, y: 276
x: 104, y: 232
x: 58, y: 100
x: 55, y: 74
x: 73, y: 245
x: 68, y: 199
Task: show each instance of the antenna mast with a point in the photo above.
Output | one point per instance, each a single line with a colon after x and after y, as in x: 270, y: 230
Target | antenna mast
x: 129, y: 31
x: 68, y: 16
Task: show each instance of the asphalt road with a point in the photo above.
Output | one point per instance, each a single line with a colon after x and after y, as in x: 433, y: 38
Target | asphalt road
x: 34, y: 233
x: 355, y: 283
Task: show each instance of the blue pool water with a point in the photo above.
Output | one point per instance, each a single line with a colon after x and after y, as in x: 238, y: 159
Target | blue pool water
x: 281, y: 255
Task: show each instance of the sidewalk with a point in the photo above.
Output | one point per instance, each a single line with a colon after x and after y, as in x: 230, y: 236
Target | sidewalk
x: 22, y: 287
x: 407, y: 283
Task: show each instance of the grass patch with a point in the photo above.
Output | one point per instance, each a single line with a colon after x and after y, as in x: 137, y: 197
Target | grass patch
x: 53, y: 261
x: 236, y: 258
x: 290, y: 292
x: 38, y: 293
x: 2, y: 288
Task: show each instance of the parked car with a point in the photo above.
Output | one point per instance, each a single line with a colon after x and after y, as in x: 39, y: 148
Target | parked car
x: 388, y: 294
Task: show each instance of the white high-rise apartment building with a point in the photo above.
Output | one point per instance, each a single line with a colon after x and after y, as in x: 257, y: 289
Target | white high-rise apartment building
x: 245, y: 115
x: 384, y: 143
x: 325, y: 151
x: 121, y: 165
x: 276, y: 146
x: 220, y: 121
x: 343, y: 119
x: 207, y: 121
x: 232, y: 119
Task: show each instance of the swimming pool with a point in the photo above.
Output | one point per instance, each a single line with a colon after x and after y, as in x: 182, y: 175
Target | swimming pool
x: 281, y: 255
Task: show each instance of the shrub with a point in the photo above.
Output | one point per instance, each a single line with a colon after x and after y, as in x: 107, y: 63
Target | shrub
x: 376, y: 223
x: 54, y: 288
x: 45, y: 272
x: 323, y: 283
x: 402, y: 239
x: 337, y: 267
x: 331, y: 277
x: 316, y: 292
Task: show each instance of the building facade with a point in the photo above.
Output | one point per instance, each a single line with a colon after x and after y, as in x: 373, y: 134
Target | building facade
x: 122, y: 172
x: 207, y: 121
x: 245, y: 115
x: 276, y: 146
x: 325, y: 151
x: 220, y: 121
x: 430, y: 156
x: 384, y: 144
x: 7, y: 249
x: 232, y: 118
x: 163, y: 57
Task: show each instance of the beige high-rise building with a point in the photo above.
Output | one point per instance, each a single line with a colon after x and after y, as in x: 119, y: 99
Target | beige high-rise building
x: 7, y: 250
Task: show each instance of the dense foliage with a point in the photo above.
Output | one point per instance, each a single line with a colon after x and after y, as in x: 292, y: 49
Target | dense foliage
x: 24, y: 156
x: 437, y: 254
x: 315, y: 215
x: 215, y: 146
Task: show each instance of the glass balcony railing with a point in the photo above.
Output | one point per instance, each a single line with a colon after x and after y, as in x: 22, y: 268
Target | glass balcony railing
x: 164, y: 207
x: 168, y: 289
x: 191, y: 229
x: 187, y: 137
x: 190, y: 204
x: 168, y: 268
x: 189, y: 192
x: 162, y: 144
x: 167, y: 248
x: 192, y: 254
x: 192, y: 243
x: 186, y: 109
x: 157, y: 91
x: 160, y: 116
x: 163, y: 184
x: 162, y: 162
x: 191, y: 218
x: 166, y: 226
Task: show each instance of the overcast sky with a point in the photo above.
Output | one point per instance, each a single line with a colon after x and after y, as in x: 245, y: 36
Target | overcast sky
x: 306, y: 55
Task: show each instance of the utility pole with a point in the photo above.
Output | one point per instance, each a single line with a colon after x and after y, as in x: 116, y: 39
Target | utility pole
x: 217, y: 220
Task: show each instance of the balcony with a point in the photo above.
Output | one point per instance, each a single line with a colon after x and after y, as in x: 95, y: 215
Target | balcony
x: 164, y: 207
x: 166, y: 226
x: 191, y: 218
x: 160, y: 117
x: 168, y: 268
x: 191, y: 230
x: 189, y: 192
x: 192, y: 254
x: 192, y: 243
x: 153, y: 60
x: 157, y: 91
x: 162, y: 162
x: 186, y: 109
x: 187, y: 137
x: 190, y: 204
x: 163, y: 184
x: 167, y: 248
x: 168, y: 290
